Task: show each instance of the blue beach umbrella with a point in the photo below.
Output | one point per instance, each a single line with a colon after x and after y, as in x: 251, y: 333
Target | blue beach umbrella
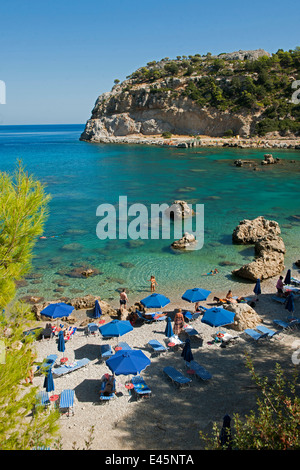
x: 169, y: 330
x: 97, y: 310
x: 155, y: 301
x: 61, y: 342
x: 127, y: 362
x: 49, y: 382
x: 289, y: 305
x: 287, y: 279
x: 187, y: 352
x: 217, y: 316
x: 115, y: 328
x: 196, y: 295
x: 57, y: 310
x: 257, y: 289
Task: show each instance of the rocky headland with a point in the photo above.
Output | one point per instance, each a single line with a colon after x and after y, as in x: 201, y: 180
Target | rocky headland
x: 192, y: 103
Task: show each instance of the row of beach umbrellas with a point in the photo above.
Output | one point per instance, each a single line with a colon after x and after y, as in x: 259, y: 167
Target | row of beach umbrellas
x: 132, y: 362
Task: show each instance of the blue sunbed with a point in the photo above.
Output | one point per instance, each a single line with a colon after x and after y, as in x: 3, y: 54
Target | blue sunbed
x: 104, y: 397
x: 157, y: 346
x: 47, y: 363
x: 42, y: 399
x: 106, y: 351
x: 264, y: 329
x: 92, y: 328
x: 142, y: 317
x: 124, y: 345
x: 200, y: 371
x: 66, y: 369
x: 255, y: 334
x: 140, y: 387
x: 281, y: 300
x: 191, y: 331
x: 176, y: 377
x: 284, y: 324
x: 191, y: 316
x: 66, y: 401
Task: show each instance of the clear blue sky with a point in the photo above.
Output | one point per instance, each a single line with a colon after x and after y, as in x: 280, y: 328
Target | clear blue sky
x: 58, y: 56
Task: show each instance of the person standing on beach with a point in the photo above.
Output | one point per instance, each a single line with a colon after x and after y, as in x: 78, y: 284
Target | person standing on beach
x: 279, y: 286
x: 178, y: 322
x: 123, y: 299
x: 153, y: 283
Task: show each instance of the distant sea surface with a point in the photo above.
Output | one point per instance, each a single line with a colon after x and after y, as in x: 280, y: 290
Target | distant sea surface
x: 80, y: 176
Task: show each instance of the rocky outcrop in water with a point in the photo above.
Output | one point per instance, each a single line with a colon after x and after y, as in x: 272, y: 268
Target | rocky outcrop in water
x: 268, y: 246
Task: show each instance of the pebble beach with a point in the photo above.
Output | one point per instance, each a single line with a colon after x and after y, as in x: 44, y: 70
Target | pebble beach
x: 171, y: 418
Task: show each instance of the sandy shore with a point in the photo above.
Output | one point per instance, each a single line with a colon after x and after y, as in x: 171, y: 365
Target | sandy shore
x: 171, y: 418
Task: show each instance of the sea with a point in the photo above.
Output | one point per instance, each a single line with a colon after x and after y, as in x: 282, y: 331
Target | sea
x: 82, y: 176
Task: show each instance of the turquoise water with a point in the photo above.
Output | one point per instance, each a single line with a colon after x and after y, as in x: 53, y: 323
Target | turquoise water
x: 81, y: 176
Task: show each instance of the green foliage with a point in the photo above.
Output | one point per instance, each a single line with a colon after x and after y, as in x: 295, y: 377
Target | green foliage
x: 275, y: 423
x: 246, y: 86
x: 23, y: 204
x: 166, y: 135
x: 20, y: 427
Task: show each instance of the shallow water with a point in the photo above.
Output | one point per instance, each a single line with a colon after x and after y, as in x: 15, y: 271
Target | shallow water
x: 81, y: 176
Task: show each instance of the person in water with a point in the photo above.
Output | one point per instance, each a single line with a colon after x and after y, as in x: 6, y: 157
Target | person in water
x: 153, y: 283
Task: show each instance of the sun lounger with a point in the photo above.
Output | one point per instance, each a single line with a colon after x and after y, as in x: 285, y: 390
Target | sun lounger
x: 191, y: 316
x: 104, y: 397
x: 140, y: 387
x: 142, y: 317
x: 92, y: 329
x: 47, y: 363
x: 176, y: 377
x: 191, y: 331
x: 66, y: 369
x: 199, y: 370
x: 263, y: 329
x: 124, y: 345
x: 285, y: 325
x: 106, y: 351
x: 255, y: 334
x: 281, y: 300
x: 158, y: 317
x: 157, y: 346
x: 66, y: 401
x: 42, y: 400
x: 295, y: 280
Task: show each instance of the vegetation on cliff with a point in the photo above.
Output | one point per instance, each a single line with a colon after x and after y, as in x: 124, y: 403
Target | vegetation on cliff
x: 260, y: 85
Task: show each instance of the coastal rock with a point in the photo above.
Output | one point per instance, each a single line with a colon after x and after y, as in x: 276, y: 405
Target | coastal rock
x: 245, y: 316
x: 187, y: 242
x: 179, y: 210
x: 268, y: 246
x: 251, y: 231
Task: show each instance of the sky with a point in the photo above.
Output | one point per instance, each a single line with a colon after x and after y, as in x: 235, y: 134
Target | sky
x: 57, y: 57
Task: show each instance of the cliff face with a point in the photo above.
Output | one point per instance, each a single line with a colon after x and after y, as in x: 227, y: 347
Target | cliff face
x: 140, y: 111
x: 159, y: 98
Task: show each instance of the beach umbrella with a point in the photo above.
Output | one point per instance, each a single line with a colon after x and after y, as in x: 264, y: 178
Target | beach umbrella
x: 57, y: 310
x: 217, y: 316
x: 169, y: 329
x: 97, y: 310
x: 196, y: 295
x: 115, y: 328
x: 225, y: 434
x: 257, y: 289
x: 289, y: 304
x: 287, y: 279
x: 61, y: 342
x: 49, y: 382
x: 187, y: 352
x: 131, y: 361
x: 155, y: 301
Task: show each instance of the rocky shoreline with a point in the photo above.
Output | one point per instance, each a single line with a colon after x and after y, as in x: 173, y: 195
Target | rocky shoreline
x: 183, y: 141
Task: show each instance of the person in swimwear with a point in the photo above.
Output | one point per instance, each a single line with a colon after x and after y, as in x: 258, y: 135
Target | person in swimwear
x: 153, y: 283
